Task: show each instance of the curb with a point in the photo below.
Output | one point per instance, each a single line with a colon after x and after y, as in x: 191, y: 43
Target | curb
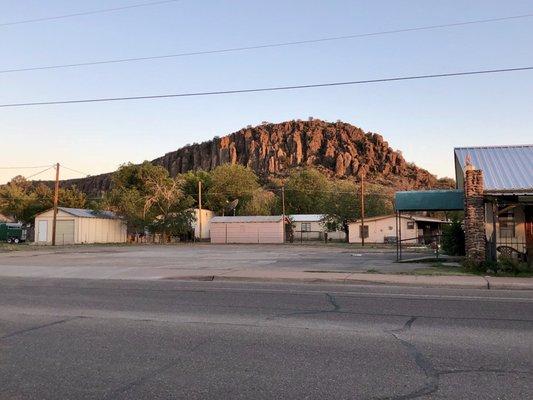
x: 485, y: 283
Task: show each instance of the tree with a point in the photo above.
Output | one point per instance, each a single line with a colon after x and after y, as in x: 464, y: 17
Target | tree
x: 344, y: 206
x: 453, y: 238
x: 306, y: 192
x: 263, y: 202
x: 148, y: 198
x: 169, y: 205
x: 190, y: 183
x: 231, y: 182
x: 16, y: 199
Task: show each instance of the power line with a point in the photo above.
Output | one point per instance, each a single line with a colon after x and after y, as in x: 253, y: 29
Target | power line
x: 39, y: 173
x: 83, y: 13
x: 263, y: 46
x: 76, y: 171
x: 26, y: 167
x: 268, y: 89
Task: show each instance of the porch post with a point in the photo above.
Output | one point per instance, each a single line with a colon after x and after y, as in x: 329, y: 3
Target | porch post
x: 475, y: 239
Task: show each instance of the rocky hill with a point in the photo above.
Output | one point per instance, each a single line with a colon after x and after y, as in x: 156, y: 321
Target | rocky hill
x: 339, y: 149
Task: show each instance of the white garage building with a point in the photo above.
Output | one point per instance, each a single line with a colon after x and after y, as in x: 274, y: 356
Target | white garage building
x: 248, y: 229
x: 77, y: 225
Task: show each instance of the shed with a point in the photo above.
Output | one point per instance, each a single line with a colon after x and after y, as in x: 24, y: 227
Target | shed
x: 77, y: 226
x: 248, y: 229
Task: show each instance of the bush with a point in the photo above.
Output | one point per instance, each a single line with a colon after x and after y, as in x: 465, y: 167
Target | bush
x: 505, y: 265
x: 453, y: 239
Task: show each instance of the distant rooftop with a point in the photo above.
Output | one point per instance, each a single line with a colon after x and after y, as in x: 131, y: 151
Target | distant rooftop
x: 247, y: 218
x: 306, y: 217
x: 85, y: 213
x: 505, y: 168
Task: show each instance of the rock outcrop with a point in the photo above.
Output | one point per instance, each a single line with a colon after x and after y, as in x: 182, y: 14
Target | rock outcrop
x: 339, y: 149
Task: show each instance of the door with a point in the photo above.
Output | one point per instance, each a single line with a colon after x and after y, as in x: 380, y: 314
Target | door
x: 65, y: 232
x: 42, y: 231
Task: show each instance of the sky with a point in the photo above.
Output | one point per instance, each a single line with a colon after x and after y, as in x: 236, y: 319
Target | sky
x: 425, y: 119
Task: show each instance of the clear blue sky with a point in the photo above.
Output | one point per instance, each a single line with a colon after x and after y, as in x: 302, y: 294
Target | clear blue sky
x: 425, y: 119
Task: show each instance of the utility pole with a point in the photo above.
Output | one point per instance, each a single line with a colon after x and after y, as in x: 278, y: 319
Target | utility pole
x: 362, y: 209
x: 200, y: 210
x: 283, y: 200
x: 56, y: 201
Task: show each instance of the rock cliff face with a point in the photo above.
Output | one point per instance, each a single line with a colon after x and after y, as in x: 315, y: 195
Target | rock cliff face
x: 339, y: 149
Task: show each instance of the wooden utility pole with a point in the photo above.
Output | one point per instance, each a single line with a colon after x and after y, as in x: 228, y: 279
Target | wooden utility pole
x: 283, y: 200
x: 56, y: 201
x: 362, y: 209
x: 200, y: 210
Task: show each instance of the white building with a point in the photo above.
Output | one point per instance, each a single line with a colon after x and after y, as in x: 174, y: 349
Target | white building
x: 248, y: 229
x: 203, y: 221
x: 382, y: 229
x: 76, y: 226
x: 311, y: 227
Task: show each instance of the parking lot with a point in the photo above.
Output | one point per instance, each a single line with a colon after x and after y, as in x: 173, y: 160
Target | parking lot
x: 166, y: 261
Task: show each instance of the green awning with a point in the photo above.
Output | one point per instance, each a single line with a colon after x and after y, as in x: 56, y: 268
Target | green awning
x: 429, y: 200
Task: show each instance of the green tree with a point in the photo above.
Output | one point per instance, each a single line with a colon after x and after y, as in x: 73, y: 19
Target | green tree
x: 306, y: 192
x: 16, y: 199
x: 263, y: 202
x: 231, y: 182
x: 148, y: 198
x: 190, y: 184
x: 344, y: 206
x: 453, y: 238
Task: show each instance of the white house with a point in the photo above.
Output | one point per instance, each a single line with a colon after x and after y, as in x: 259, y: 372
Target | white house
x: 382, y: 229
x: 310, y: 227
x: 76, y: 226
x: 248, y: 229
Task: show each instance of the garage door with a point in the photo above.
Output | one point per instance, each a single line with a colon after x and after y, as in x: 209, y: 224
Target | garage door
x: 65, y: 232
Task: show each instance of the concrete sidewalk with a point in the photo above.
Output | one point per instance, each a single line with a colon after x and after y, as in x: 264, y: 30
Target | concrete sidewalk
x: 454, y: 281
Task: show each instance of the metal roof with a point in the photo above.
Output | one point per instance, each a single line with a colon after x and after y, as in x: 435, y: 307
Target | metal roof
x: 417, y: 218
x: 247, y: 218
x: 505, y: 168
x: 85, y: 213
x: 306, y: 217
x: 429, y: 200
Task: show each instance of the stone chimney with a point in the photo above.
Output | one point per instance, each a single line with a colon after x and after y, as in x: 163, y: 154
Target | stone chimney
x: 475, y: 242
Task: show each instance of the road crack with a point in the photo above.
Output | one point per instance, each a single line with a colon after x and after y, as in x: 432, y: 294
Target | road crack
x: 423, y: 363
x: 140, y: 380
x: 331, y: 301
x: 34, y: 328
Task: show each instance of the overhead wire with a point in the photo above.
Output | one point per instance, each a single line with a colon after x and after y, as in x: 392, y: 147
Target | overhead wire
x: 39, y: 173
x: 74, y: 170
x: 269, y: 89
x: 26, y: 167
x: 84, y: 13
x: 264, y: 46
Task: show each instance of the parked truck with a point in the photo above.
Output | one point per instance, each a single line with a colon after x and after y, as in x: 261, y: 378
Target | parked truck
x: 12, y: 232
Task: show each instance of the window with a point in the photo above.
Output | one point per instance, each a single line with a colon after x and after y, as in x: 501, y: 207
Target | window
x: 363, y: 230
x: 507, y: 224
x: 410, y: 224
x: 306, y: 226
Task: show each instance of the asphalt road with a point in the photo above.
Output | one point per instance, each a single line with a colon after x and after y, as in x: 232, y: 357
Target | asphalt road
x: 79, y: 339
x: 156, y: 261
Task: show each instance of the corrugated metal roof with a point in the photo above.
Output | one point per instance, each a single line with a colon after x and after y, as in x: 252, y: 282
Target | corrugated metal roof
x: 505, y: 168
x: 247, y: 218
x: 85, y: 213
x: 405, y: 216
x: 306, y: 217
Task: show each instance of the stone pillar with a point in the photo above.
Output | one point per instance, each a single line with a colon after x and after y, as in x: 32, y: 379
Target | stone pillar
x: 475, y: 241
